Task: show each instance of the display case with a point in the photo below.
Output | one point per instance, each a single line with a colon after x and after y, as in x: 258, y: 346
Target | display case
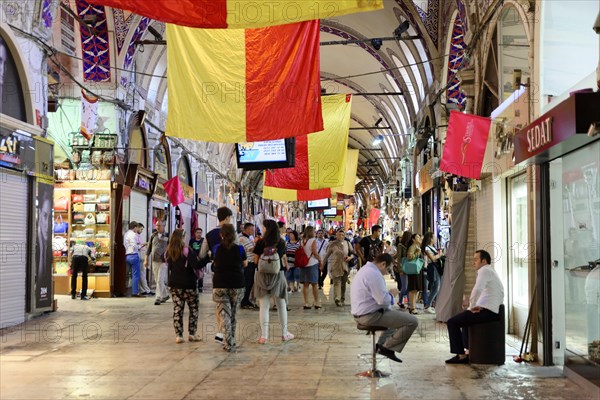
x: 82, y: 212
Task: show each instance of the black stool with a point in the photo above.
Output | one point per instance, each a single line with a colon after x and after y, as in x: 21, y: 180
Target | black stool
x: 373, y: 372
x: 487, y: 341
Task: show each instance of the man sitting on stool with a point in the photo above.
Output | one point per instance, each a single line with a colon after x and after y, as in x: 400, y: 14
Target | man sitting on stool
x: 371, y: 305
x: 486, y: 297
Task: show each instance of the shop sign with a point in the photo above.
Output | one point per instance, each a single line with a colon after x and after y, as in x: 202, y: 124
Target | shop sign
x: 143, y: 183
x: 539, y: 135
x: 160, y: 192
x: 10, y: 150
x: 423, y: 179
x: 188, y: 192
x: 565, y: 124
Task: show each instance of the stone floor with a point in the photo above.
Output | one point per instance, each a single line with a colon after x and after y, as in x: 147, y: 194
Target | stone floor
x: 125, y: 349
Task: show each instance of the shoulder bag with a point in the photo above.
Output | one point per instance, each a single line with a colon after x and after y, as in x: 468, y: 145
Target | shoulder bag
x: 412, y: 267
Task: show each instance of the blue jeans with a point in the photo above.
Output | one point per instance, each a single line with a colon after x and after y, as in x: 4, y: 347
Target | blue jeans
x: 133, y: 261
x: 435, y: 285
x: 402, y: 284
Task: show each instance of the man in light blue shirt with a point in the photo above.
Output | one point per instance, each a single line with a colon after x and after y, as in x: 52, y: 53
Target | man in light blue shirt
x: 371, y: 305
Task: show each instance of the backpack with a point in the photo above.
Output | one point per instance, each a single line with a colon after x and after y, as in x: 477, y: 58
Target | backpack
x: 269, y: 261
x: 374, y: 250
x: 301, y: 260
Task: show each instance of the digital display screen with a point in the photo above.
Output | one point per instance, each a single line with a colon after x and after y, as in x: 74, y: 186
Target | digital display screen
x: 330, y: 212
x: 269, y: 151
x: 269, y: 154
x: 318, y: 204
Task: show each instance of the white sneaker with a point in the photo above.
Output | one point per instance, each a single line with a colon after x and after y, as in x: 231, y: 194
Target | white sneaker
x: 430, y: 310
x: 219, y: 338
x: 179, y: 339
x: 195, y: 338
x: 287, y: 337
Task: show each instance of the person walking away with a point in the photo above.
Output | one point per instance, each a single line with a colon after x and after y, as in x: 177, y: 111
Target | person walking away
x: 247, y: 240
x: 484, y: 305
x: 80, y: 254
x: 271, y: 284
x: 132, y: 257
x: 228, y: 283
x: 339, y: 253
x: 182, y: 285
x: 371, y: 305
x: 309, y: 275
x: 213, y: 238
x: 432, y: 257
x: 195, y: 245
x: 156, y: 255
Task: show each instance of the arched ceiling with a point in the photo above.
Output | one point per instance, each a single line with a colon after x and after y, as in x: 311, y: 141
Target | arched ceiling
x: 375, y: 76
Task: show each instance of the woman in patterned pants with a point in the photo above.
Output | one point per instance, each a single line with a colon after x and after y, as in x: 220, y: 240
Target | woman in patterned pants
x: 182, y: 285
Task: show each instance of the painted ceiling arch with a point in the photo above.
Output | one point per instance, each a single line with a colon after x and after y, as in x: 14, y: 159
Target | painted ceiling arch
x: 359, y: 68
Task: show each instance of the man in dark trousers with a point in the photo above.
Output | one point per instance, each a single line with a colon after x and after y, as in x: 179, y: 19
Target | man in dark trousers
x: 196, y: 244
x: 213, y: 238
x: 247, y: 240
x: 484, y: 304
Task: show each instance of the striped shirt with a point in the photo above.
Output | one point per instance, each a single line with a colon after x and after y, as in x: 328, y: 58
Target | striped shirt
x: 248, y: 243
x: 290, y: 250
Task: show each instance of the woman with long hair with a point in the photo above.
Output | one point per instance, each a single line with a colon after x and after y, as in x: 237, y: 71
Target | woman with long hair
x: 228, y: 283
x: 309, y: 275
x: 402, y: 244
x: 182, y: 285
x: 271, y: 284
x: 415, y: 282
x: 433, y: 279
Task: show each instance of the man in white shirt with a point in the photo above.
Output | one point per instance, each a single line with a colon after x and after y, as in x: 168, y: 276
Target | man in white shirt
x: 371, y: 305
x: 132, y: 257
x: 484, y: 304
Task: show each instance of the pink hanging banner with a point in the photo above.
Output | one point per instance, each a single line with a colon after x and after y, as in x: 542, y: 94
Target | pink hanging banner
x: 464, y: 149
x: 174, y: 191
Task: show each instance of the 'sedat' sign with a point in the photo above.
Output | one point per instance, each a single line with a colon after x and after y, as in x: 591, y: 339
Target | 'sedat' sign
x: 539, y: 135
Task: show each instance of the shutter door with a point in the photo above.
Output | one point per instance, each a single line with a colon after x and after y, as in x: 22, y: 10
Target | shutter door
x: 13, y: 247
x: 138, y: 209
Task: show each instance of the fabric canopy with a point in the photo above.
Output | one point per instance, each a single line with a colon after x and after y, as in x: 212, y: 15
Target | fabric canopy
x: 273, y: 193
x: 321, y: 156
x: 240, y: 13
x: 240, y: 85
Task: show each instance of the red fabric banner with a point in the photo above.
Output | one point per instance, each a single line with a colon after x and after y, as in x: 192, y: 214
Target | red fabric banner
x: 174, y: 191
x: 466, y: 140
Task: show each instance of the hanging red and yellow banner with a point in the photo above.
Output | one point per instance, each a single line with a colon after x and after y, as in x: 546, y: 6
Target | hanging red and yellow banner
x: 273, y: 193
x: 464, y: 149
x: 238, y: 85
x: 240, y: 13
x: 321, y: 156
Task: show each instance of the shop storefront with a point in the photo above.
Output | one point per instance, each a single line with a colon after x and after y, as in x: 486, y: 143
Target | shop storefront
x: 26, y: 191
x: 563, y: 146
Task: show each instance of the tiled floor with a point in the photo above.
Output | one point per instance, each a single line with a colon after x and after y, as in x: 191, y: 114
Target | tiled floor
x: 125, y: 349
